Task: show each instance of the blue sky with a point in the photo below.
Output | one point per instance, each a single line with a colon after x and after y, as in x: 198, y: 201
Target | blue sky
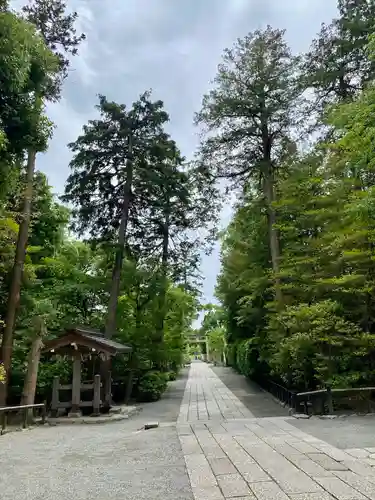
x: 172, y: 47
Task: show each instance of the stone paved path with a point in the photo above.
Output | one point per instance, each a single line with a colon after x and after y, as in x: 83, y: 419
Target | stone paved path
x: 229, y: 454
x: 206, y: 397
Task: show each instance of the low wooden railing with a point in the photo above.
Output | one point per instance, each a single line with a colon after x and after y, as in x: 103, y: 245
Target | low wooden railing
x: 5, y: 410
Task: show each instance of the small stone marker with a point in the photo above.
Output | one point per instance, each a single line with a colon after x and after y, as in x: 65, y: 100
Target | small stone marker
x: 151, y: 425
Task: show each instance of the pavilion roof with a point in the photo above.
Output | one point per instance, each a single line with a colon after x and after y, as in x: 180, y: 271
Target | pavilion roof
x: 86, y: 337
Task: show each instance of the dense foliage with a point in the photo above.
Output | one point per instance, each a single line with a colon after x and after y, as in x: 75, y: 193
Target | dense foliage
x: 130, y: 268
x: 291, y: 135
x: 308, y: 320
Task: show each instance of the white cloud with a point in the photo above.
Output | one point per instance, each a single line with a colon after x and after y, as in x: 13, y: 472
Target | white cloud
x: 68, y: 125
x: 83, y: 69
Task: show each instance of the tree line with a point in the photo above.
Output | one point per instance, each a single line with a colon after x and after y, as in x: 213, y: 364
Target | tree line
x: 293, y: 136
x: 124, y: 257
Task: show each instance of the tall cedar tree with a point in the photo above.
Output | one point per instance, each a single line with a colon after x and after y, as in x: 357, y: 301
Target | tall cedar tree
x: 249, y: 116
x: 325, y: 332
x: 25, y: 62
x: 337, y: 66
x: 165, y: 216
x: 180, y: 214
x: 110, y: 164
x: 56, y: 28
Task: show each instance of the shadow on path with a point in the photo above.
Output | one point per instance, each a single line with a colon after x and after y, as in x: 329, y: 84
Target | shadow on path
x: 259, y: 402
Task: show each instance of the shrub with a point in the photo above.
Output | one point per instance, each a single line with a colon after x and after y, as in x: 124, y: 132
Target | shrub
x: 247, y: 357
x: 231, y: 354
x: 172, y: 375
x: 187, y: 359
x: 151, y: 386
x: 314, y: 345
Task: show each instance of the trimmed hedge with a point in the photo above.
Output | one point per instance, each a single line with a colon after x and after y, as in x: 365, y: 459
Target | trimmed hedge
x: 151, y: 386
x: 231, y: 354
x: 172, y: 375
x: 245, y: 361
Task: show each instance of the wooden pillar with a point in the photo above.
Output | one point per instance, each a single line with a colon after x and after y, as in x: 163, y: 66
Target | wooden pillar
x: 55, y: 396
x: 96, y: 400
x: 76, y: 385
x: 108, y: 391
x: 329, y: 400
x: 106, y: 378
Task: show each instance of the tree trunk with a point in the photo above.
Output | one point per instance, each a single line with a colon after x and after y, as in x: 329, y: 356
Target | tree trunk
x: 110, y: 326
x: 120, y: 250
x: 29, y: 387
x: 268, y: 186
x: 15, y: 286
x: 164, y: 269
x: 269, y: 194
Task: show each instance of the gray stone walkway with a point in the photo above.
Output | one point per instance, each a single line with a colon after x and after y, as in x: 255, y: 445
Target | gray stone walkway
x: 208, y: 398
x: 231, y: 455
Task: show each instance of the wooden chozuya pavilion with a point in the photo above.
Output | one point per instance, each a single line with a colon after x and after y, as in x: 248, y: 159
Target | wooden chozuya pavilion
x: 82, y: 344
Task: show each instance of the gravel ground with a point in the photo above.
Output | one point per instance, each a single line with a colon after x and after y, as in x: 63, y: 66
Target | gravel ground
x: 347, y: 432
x: 112, y: 461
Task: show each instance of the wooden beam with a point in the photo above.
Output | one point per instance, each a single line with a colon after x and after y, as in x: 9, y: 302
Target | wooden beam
x: 55, y: 395
x: 76, y: 389
x: 96, y: 400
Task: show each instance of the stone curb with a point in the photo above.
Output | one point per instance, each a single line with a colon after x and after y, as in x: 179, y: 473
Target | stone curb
x: 94, y: 420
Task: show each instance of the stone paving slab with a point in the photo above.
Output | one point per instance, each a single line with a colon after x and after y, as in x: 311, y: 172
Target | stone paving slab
x: 207, y: 493
x: 310, y: 467
x: 326, y: 462
x: 221, y: 466
x: 233, y: 485
x: 190, y: 445
x: 199, y: 470
x: 207, y: 398
x: 339, y: 489
x: 359, y: 483
x: 252, y: 473
x: 269, y: 491
x: 361, y: 469
x: 259, y: 402
x: 312, y: 496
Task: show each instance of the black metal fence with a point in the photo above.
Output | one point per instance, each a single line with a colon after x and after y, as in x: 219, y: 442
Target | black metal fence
x: 322, y: 401
x: 283, y: 394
